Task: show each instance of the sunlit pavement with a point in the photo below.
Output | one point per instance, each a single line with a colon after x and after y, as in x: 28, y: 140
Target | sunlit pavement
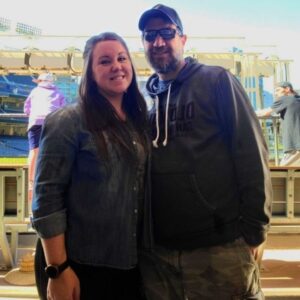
x: 280, y: 272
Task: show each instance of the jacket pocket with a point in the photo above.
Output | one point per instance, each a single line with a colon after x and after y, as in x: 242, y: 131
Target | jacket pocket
x: 179, y: 206
x: 200, y: 198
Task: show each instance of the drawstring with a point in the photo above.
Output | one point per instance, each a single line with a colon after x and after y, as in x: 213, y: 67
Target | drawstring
x: 165, y: 142
x: 156, y: 101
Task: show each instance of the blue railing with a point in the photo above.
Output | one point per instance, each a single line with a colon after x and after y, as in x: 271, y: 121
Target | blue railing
x: 271, y: 127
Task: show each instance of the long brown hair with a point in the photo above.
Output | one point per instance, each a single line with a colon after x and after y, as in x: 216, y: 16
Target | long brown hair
x: 287, y: 84
x: 98, y: 112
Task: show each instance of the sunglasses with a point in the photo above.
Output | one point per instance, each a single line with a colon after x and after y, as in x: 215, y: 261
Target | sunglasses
x: 165, y: 33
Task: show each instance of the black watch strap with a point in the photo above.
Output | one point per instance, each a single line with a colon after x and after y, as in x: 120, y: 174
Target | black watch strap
x: 53, y: 271
x: 63, y: 266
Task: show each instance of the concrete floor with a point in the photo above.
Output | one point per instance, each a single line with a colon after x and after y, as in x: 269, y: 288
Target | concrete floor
x: 280, y: 272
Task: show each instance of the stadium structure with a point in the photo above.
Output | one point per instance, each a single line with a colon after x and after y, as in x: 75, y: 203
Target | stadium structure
x: 25, y: 53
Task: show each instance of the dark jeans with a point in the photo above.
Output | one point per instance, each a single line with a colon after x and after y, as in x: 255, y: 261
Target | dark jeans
x: 34, y: 135
x: 107, y: 283
x: 96, y: 283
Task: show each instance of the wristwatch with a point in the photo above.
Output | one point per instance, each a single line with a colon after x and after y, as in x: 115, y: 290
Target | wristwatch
x: 53, y: 271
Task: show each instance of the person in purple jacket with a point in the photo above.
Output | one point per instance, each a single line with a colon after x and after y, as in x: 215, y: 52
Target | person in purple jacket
x: 43, y: 99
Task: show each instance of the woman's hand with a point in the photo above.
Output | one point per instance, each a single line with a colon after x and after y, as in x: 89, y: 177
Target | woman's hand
x: 65, y: 287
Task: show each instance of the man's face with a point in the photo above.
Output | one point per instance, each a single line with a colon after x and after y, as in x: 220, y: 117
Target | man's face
x: 281, y: 91
x: 164, y: 54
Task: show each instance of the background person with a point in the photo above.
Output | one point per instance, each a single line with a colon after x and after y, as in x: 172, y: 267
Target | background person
x: 89, y: 205
x: 287, y: 104
x: 43, y: 99
x: 211, y: 188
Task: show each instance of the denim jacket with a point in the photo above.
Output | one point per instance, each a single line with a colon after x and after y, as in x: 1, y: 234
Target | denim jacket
x: 92, y: 200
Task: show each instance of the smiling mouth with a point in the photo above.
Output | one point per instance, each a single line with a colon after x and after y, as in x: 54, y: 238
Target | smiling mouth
x: 119, y: 77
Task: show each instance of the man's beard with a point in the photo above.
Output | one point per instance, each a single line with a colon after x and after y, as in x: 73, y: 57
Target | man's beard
x: 161, y: 65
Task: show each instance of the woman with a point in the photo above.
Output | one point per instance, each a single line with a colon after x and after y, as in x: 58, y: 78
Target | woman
x: 89, y: 207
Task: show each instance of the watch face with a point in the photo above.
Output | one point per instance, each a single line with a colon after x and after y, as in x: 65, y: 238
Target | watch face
x: 52, y: 271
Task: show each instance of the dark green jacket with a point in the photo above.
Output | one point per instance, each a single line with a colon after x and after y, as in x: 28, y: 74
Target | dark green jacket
x: 210, y: 176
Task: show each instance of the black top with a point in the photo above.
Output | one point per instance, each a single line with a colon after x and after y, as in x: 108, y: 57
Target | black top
x: 289, y: 109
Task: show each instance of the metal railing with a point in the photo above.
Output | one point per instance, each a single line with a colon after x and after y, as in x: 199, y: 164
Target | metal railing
x: 12, y: 115
x: 271, y: 127
x: 14, y: 201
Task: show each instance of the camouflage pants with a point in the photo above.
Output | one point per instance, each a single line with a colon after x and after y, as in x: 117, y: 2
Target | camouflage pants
x: 227, y: 272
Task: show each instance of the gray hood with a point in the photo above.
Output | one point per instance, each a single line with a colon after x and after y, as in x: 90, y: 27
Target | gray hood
x: 190, y: 68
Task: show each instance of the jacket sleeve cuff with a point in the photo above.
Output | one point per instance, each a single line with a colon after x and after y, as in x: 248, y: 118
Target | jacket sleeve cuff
x: 51, y: 225
x: 254, y: 236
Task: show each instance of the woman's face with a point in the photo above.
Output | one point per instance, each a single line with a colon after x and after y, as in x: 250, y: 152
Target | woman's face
x: 112, y: 69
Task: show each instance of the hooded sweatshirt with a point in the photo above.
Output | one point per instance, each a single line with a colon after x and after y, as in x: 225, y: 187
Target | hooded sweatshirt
x: 210, y: 176
x: 289, y: 109
x: 43, y: 99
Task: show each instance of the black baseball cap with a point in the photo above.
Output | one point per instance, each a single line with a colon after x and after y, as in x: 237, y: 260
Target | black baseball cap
x: 163, y: 11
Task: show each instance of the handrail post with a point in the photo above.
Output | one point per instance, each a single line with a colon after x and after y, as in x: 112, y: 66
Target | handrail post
x: 275, y: 131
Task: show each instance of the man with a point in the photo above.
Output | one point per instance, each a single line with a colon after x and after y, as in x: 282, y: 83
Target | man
x: 287, y: 104
x: 211, y: 189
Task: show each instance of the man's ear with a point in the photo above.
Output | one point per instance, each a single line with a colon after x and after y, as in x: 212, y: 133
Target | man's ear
x: 183, y: 39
